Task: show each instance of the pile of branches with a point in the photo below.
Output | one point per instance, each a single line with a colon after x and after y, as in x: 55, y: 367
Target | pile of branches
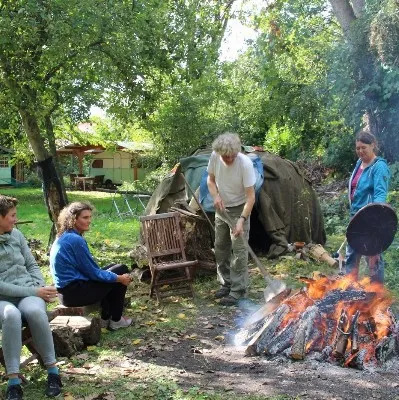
x: 314, y: 171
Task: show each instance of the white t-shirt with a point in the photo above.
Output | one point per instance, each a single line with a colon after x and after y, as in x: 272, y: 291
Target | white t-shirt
x: 231, y: 180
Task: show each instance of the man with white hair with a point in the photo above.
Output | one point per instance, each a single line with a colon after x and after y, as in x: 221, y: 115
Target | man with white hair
x: 231, y: 183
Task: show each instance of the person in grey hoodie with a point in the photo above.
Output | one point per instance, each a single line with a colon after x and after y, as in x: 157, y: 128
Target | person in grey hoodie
x: 368, y: 184
x: 23, y: 297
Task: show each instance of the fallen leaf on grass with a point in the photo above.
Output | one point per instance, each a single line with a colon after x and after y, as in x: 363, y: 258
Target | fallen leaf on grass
x: 173, y: 339
x: 193, y: 336
x: 68, y: 396
x: 91, y: 348
x: 83, y: 356
x: 79, y: 371
x: 137, y: 341
x: 219, y: 338
x: 128, y: 371
x: 162, y: 319
x: 150, y: 323
x: 181, y: 316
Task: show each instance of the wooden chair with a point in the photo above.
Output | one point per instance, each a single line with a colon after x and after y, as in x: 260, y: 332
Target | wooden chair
x: 165, y: 248
x: 98, y: 181
x: 72, y: 182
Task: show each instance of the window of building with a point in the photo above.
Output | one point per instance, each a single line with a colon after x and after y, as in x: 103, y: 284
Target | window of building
x: 98, y: 164
x: 4, y: 162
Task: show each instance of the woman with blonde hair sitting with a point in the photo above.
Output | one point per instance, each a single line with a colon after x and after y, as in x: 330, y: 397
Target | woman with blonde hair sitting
x: 78, y: 278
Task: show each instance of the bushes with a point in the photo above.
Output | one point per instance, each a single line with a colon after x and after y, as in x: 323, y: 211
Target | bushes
x: 336, y: 213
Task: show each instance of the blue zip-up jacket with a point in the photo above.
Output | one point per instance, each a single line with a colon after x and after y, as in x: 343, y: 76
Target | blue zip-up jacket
x: 71, y: 260
x: 372, y: 186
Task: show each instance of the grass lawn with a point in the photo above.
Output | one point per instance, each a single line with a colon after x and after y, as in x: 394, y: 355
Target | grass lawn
x: 110, y: 237
x: 110, y: 240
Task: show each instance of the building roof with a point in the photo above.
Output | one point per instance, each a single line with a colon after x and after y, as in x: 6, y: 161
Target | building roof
x: 4, y: 150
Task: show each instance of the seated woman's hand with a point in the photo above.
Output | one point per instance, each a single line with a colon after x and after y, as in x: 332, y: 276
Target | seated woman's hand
x: 47, y: 293
x: 124, y: 279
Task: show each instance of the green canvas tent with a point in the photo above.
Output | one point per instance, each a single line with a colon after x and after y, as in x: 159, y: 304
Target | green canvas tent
x: 287, y: 209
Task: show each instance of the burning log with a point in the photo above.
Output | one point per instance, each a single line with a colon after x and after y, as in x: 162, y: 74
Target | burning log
x: 260, y: 341
x: 303, y: 333
x: 282, y: 340
x: 341, y: 339
x: 355, y: 339
x: 268, y: 307
x: 386, y: 349
x: 354, y: 331
x: 307, y: 322
x: 256, y: 321
x: 329, y: 302
x: 393, y: 318
x: 251, y: 332
x: 371, y: 326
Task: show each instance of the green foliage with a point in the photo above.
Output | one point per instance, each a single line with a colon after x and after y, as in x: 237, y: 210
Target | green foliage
x: 336, y: 214
x: 278, y: 89
x: 384, y: 37
x: 339, y: 153
x: 149, y: 183
x: 394, y: 182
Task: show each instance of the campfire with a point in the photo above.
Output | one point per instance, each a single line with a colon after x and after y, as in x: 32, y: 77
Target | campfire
x: 335, y: 319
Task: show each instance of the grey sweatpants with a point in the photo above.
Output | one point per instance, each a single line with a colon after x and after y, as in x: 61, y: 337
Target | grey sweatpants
x: 231, y: 254
x: 33, y: 310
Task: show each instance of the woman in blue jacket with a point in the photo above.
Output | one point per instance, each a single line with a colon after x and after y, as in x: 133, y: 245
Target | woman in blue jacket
x: 368, y: 184
x: 78, y: 278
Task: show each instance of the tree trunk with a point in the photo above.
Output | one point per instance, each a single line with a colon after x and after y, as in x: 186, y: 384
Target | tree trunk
x: 52, y: 190
x: 358, y: 7
x: 53, y: 150
x: 344, y: 13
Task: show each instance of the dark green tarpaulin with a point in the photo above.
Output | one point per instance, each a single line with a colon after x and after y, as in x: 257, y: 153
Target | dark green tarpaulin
x: 287, y: 210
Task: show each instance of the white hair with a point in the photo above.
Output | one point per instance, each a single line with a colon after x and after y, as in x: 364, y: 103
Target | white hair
x: 227, y: 144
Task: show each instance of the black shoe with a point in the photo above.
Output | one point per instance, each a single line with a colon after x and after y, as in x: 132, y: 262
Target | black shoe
x: 14, y: 392
x: 228, y: 301
x: 222, y: 292
x: 54, y: 385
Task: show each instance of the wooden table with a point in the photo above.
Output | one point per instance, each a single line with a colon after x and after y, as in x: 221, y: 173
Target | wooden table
x: 84, y: 179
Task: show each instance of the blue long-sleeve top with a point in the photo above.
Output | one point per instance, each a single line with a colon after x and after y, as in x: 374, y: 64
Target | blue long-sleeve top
x: 372, y: 186
x: 71, y: 260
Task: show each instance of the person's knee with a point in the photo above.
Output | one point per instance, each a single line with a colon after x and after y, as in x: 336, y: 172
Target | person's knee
x: 120, y: 269
x: 12, y: 316
x: 124, y: 268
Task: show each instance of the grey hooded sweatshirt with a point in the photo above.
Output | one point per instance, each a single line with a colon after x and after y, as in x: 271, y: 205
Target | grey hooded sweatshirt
x: 20, y: 275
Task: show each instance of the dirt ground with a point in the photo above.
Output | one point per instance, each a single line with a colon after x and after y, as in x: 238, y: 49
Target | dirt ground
x: 212, y: 363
